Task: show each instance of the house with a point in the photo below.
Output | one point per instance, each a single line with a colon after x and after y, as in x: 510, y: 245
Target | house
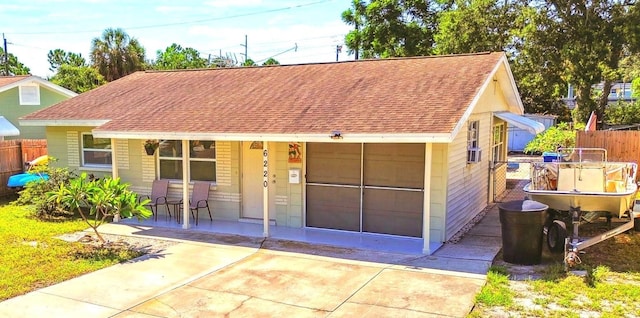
x: 392, y: 146
x: 619, y: 92
x: 24, y: 94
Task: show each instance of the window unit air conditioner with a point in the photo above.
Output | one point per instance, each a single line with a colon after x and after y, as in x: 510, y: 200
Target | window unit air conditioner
x: 474, y: 155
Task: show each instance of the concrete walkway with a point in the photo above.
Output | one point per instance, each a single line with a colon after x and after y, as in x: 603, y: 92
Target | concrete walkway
x: 210, y: 275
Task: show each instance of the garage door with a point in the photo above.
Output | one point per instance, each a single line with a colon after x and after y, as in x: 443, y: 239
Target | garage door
x: 375, y: 188
x: 333, y: 186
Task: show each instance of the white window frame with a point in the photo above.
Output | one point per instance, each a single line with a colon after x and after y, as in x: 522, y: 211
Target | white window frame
x: 191, y: 159
x: 83, y: 149
x: 22, y: 91
x: 473, y: 144
x: 498, y: 152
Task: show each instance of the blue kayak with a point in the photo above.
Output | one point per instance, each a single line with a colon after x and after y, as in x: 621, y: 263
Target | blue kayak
x: 21, y: 179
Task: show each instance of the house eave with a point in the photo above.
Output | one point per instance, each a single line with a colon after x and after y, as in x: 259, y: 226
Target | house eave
x: 63, y: 122
x: 302, y: 137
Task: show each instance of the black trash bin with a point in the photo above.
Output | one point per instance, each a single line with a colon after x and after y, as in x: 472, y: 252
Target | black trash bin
x: 522, y: 231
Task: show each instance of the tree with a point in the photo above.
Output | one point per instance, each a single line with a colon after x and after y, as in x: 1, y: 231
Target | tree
x: 386, y: 28
x: 59, y: 57
x: 475, y: 26
x: 78, y: 78
x: 249, y: 62
x: 115, y: 54
x: 13, y: 67
x: 271, y: 61
x: 175, y: 57
x: 96, y: 200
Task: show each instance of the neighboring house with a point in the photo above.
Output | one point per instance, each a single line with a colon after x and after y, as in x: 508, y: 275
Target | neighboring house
x: 619, y: 92
x: 21, y: 95
x: 394, y: 146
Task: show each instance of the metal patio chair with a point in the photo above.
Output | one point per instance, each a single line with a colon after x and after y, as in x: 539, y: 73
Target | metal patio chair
x: 158, y: 197
x: 199, y: 199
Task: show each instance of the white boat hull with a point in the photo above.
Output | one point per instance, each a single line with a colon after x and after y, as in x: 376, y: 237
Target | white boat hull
x: 617, y: 203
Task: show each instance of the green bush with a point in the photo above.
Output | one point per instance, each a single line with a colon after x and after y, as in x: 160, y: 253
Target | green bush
x: 622, y: 114
x: 560, y: 135
x: 98, y: 200
x: 34, y: 194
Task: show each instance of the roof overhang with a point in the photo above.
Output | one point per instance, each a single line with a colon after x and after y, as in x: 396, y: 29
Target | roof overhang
x: 7, y: 128
x: 521, y: 122
x: 35, y: 79
x: 63, y: 122
x: 301, y: 137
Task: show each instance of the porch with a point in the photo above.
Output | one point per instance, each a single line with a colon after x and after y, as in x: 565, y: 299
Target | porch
x: 346, y: 239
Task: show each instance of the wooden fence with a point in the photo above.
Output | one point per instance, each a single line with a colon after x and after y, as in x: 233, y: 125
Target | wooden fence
x: 13, y: 156
x: 621, y: 145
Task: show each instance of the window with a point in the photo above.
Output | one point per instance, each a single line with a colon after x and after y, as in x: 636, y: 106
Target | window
x: 95, y: 151
x: 29, y: 94
x: 202, y: 161
x: 498, y: 142
x: 473, y: 150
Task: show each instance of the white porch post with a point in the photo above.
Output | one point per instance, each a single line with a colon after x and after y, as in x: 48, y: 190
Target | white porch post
x: 185, y: 184
x: 114, y: 169
x: 426, y: 209
x: 265, y: 188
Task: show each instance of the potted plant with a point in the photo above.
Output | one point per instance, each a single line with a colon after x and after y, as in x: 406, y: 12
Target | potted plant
x: 150, y: 146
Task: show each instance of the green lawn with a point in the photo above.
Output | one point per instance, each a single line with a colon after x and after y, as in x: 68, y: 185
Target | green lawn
x: 31, y: 257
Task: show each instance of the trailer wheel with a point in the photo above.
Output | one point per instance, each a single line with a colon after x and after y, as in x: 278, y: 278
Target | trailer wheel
x: 556, y: 235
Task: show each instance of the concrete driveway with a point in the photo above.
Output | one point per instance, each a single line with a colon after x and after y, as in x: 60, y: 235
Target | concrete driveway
x: 257, y: 279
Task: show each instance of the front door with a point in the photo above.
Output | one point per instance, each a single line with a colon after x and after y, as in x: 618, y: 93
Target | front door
x: 253, y: 182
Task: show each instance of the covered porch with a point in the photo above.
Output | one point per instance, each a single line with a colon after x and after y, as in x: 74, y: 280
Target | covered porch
x: 344, y: 239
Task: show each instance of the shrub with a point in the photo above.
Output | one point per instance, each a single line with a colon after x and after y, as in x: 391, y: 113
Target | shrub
x: 560, y: 135
x: 622, y: 113
x: 34, y: 194
x: 98, y: 200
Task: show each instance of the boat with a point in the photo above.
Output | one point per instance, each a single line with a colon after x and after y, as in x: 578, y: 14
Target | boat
x: 580, y: 184
x: 21, y: 179
x: 31, y: 175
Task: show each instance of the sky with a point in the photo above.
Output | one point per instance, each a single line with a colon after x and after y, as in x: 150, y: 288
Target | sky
x: 291, y: 31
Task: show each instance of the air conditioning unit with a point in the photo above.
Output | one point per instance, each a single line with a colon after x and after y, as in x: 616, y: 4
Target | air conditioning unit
x: 474, y: 155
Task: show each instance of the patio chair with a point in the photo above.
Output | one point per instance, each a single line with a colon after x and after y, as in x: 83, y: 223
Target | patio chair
x: 158, y: 197
x: 199, y: 199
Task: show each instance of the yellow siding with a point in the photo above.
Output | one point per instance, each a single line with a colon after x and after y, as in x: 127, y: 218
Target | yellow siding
x: 468, y: 191
x: 288, y: 198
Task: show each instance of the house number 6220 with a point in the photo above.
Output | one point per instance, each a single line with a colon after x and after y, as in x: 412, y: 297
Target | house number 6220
x: 265, y: 168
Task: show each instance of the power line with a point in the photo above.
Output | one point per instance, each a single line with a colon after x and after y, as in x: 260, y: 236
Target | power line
x: 185, y: 22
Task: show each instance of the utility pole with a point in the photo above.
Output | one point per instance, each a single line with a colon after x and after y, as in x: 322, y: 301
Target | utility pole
x: 358, y: 42
x: 245, y: 48
x: 338, y: 50
x: 6, y: 56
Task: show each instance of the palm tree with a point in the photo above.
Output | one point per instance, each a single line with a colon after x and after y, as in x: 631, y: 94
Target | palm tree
x: 116, y: 54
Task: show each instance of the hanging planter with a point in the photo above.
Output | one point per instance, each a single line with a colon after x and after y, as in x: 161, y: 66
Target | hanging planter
x: 150, y: 146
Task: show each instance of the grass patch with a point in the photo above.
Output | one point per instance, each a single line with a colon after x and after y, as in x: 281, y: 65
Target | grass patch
x: 496, y: 292
x: 31, y: 257
x: 608, y: 284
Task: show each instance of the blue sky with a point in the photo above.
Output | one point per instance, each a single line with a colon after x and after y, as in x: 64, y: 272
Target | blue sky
x: 273, y: 27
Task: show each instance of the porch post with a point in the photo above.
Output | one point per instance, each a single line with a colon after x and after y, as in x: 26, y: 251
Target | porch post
x: 426, y: 208
x: 185, y: 184
x: 265, y: 188
x: 114, y: 169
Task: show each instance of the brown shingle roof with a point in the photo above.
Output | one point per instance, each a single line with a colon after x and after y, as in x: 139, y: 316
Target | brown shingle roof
x: 405, y: 96
x: 6, y: 80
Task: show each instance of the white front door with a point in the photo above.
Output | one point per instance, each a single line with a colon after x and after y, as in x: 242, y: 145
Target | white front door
x: 253, y: 182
